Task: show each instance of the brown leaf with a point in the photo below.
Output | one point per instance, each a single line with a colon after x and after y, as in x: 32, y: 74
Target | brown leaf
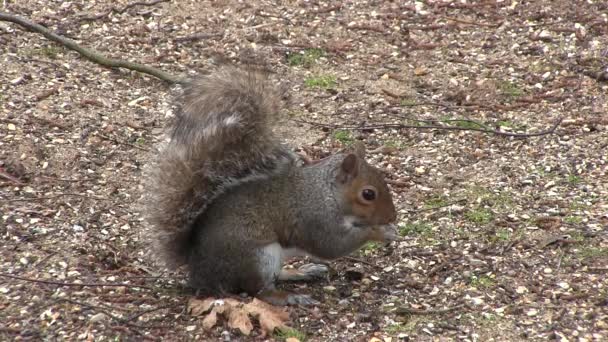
x: 239, y: 319
x: 270, y: 317
x: 549, y: 223
x: 210, y: 320
x: 197, y: 307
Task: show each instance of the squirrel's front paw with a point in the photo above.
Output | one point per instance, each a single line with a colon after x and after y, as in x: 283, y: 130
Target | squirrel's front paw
x: 300, y: 299
x: 386, y: 233
x: 314, y: 270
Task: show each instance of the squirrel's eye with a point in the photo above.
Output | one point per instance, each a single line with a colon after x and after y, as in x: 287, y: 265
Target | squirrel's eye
x: 368, y: 194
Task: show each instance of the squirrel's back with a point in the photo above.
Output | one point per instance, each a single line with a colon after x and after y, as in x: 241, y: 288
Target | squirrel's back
x: 221, y: 137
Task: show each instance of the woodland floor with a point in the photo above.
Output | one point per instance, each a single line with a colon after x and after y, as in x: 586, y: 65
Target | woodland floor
x: 505, y: 237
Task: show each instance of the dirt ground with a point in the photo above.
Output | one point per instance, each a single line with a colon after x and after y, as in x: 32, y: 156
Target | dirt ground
x: 505, y: 237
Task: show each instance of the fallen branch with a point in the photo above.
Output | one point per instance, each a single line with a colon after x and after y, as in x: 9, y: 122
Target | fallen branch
x: 90, y: 54
x: 445, y: 128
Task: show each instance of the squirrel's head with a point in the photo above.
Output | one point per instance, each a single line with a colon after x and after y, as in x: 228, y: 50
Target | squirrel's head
x: 367, y: 197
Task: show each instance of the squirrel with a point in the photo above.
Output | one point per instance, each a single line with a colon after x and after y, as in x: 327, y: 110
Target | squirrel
x: 230, y: 200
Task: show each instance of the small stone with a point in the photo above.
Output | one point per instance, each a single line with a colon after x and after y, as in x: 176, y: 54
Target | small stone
x: 532, y: 312
x: 388, y: 269
x: 563, y: 285
x: 477, y: 300
x: 11, y: 127
x: 601, y: 324
x: 97, y: 318
x: 23, y: 261
x: 292, y: 339
x: 544, y: 35
x: 521, y: 289
x: 329, y: 288
x: 420, y: 170
x: 191, y: 328
x: 548, y: 270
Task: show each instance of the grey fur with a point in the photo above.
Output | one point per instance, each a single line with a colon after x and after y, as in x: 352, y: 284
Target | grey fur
x: 225, y: 192
x: 221, y: 138
x: 299, y: 208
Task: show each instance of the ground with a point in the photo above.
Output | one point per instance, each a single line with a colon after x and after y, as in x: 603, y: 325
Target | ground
x: 505, y: 237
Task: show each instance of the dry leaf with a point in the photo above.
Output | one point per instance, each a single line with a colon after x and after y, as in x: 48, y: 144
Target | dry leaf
x: 239, y: 319
x: 270, y: 317
x: 237, y: 314
x: 197, y: 307
x: 210, y: 320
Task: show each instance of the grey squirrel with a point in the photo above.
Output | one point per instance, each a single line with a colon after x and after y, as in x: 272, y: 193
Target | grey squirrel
x: 230, y: 200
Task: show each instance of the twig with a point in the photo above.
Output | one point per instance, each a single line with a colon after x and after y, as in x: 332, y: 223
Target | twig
x: 141, y: 313
x: 361, y: 261
x: 27, y: 199
x: 447, y: 128
x: 8, y: 177
x: 462, y: 21
x: 411, y: 311
x: 51, y: 282
x: 91, y: 54
x: 119, y: 10
x: 124, y: 143
x: 197, y: 36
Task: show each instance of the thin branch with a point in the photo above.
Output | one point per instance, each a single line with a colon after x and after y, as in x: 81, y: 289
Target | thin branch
x: 119, y: 10
x: 411, y: 311
x: 51, y: 282
x: 91, y: 54
x: 446, y: 128
x: 123, y: 143
x: 27, y: 199
x: 9, y: 177
x: 361, y: 261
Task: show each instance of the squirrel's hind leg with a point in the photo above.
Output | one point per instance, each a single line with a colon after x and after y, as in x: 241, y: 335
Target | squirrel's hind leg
x: 270, y: 260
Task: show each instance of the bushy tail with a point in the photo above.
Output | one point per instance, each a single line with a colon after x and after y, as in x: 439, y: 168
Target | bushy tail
x: 222, y: 137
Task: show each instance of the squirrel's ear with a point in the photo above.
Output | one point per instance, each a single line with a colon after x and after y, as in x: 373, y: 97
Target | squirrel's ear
x: 357, y: 148
x: 349, y: 168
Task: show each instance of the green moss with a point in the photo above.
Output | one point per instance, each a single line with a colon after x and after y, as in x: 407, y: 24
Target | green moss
x: 285, y: 333
x: 573, y: 219
x: 436, y: 202
x: 482, y: 282
x: 479, y: 216
x: 590, y: 252
x: 322, y: 82
x: 344, y: 137
x: 574, y: 179
x: 306, y: 59
x: 510, y: 89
